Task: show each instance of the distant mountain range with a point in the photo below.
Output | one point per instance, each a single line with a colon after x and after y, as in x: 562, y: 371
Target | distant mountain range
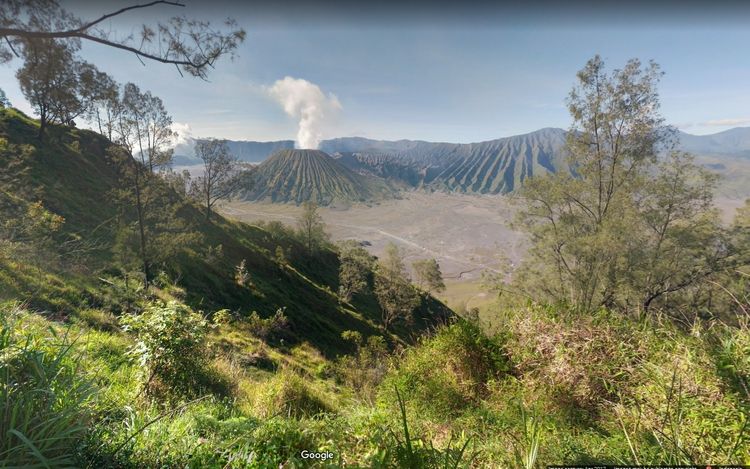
x: 495, y: 166
x: 358, y: 168
x: 732, y: 142
x: 247, y: 151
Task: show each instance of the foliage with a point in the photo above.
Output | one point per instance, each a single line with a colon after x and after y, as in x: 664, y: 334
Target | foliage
x: 192, y: 45
x: 170, y: 347
x: 241, y: 275
x: 623, y: 230
x: 364, y: 370
x: 429, y: 275
x: 43, y: 400
x: 49, y: 81
x: 273, y: 328
x: 420, y: 453
x: 450, y: 371
x: 526, y: 451
x: 288, y: 395
x: 311, y: 228
x: 355, y: 269
x: 31, y: 232
x: 548, y: 350
x: 393, y: 289
x: 4, y: 102
x: 220, y: 178
x: 151, y: 230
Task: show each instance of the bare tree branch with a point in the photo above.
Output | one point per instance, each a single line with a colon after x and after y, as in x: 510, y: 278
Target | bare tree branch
x: 191, y: 44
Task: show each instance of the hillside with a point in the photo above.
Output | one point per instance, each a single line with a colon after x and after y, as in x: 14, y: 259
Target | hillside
x: 733, y: 142
x: 492, y: 167
x: 72, y: 175
x: 299, y: 175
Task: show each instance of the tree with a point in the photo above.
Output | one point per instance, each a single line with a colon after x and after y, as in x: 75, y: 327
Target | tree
x: 740, y: 233
x: 149, y: 124
x: 60, y: 87
x: 104, y: 103
x: 220, y: 177
x: 681, y: 242
x: 429, y: 275
x: 48, y: 80
x: 395, y: 294
x: 355, y: 269
x: 142, y: 130
x: 192, y: 45
x: 311, y: 228
x: 619, y: 229
x: 4, y: 103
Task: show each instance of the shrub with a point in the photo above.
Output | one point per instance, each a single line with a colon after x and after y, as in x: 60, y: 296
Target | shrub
x: 449, y: 371
x: 222, y: 316
x: 99, y: 320
x: 170, y: 347
x: 241, y: 275
x: 274, y: 328
x: 681, y: 413
x: 733, y: 356
x: 287, y: 395
x: 583, y: 361
x: 276, y: 443
x: 364, y: 370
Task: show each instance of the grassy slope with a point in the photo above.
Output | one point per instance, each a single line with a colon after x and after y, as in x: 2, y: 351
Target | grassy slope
x: 72, y: 176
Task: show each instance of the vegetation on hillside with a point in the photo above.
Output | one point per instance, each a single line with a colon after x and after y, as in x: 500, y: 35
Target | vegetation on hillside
x: 140, y: 329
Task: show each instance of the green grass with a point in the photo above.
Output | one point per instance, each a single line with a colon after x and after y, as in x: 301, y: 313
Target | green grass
x: 43, y: 401
x: 433, y: 409
x: 529, y: 386
x: 73, y: 176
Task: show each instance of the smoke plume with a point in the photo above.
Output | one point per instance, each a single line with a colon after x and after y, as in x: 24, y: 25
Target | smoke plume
x: 309, y: 105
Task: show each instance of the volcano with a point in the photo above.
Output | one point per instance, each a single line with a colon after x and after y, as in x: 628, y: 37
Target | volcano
x: 296, y: 176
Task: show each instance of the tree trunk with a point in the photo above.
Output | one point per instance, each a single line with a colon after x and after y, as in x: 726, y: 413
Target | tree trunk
x: 141, y: 228
x: 42, y: 127
x: 208, y: 207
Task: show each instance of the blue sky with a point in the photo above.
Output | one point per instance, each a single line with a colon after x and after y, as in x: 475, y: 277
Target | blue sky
x: 440, y: 77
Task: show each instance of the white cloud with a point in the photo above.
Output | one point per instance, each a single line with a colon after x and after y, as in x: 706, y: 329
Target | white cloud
x: 306, y: 102
x: 726, y: 122
x: 184, y: 134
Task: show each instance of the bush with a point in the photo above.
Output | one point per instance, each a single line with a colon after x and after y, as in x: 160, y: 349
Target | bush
x: 449, y: 371
x: 170, y: 347
x: 584, y: 362
x: 43, y: 403
x: 364, y: 370
x: 287, y: 395
x: 274, y: 328
x: 99, y: 320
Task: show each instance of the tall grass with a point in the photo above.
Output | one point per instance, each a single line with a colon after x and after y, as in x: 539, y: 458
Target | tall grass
x: 419, y: 453
x: 526, y: 450
x: 42, y: 401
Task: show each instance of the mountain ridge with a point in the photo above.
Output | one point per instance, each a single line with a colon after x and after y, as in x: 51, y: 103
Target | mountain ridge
x: 719, y: 142
x: 490, y: 167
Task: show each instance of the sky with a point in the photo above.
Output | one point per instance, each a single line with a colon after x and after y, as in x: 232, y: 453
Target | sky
x: 453, y: 72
